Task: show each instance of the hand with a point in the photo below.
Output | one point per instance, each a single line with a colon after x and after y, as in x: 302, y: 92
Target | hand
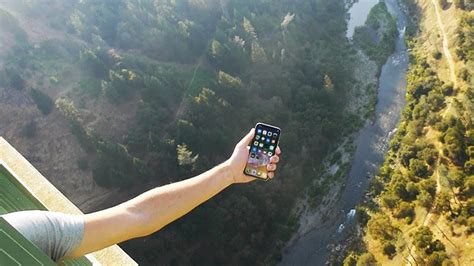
x: 239, y: 157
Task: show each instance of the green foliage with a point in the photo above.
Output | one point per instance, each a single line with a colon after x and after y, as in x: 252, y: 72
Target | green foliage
x: 465, y: 41
x: 424, y: 242
x: 405, y: 211
x: 44, y: 103
x: 389, y: 250
x: 366, y: 259
x: 200, y: 73
x: 377, y: 37
x: 381, y: 228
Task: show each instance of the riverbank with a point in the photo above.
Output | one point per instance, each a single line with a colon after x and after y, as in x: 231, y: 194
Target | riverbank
x: 334, y: 216
x: 421, y: 196
x: 315, y: 207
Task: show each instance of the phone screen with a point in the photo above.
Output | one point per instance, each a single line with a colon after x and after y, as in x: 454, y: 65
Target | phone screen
x: 262, y: 148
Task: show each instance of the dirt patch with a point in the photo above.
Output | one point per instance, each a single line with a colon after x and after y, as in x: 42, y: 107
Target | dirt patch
x: 53, y: 150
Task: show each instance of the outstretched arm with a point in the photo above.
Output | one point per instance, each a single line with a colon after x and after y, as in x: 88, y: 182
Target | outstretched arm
x: 154, y: 209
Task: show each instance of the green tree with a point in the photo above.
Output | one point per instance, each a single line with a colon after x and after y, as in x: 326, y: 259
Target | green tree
x: 186, y: 158
x: 44, y: 103
x: 405, y: 210
x: 380, y: 227
x: 366, y: 259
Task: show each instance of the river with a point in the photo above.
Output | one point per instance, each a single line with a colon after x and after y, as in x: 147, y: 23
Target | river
x: 372, y: 143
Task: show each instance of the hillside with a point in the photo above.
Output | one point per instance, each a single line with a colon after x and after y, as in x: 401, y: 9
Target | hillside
x: 421, y: 203
x: 110, y: 98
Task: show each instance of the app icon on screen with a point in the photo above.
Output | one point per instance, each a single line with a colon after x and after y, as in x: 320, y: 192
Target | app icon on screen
x: 270, y: 153
x: 267, y: 140
x: 254, y: 149
x: 257, y: 137
x: 264, y: 132
x: 275, y: 135
x: 255, y: 143
x: 260, y: 145
x: 263, y: 138
x: 269, y: 134
x: 259, y: 131
x: 273, y: 141
x: 272, y: 147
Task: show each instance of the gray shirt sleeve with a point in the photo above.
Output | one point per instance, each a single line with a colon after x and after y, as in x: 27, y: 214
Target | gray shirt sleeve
x: 56, y: 234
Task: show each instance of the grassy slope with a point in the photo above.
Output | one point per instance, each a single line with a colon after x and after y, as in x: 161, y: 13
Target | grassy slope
x: 459, y: 246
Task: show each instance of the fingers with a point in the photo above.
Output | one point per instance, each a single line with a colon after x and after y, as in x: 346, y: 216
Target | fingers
x: 244, y: 142
x: 270, y: 175
x: 278, y: 150
x: 274, y: 159
x: 271, y: 167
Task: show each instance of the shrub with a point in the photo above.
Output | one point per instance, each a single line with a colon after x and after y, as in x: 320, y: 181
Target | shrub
x: 405, y: 210
x: 366, y: 259
x: 389, y: 250
x: 44, y: 103
x: 29, y: 129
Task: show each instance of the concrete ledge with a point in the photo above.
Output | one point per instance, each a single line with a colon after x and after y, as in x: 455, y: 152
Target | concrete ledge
x: 53, y: 199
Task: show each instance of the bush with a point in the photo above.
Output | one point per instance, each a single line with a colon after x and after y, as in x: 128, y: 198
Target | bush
x: 447, y: 89
x: 389, y: 250
x: 29, y: 129
x: 405, y: 210
x: 366, y: 259
x: 44, y: 103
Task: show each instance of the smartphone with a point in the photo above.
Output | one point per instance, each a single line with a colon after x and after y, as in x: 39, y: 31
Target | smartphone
x: 262, y: 148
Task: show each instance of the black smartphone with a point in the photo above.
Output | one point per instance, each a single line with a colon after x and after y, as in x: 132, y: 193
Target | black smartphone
x: 262, y: 148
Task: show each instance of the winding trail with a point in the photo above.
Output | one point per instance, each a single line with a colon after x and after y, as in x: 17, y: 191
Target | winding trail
x: 446, y: 51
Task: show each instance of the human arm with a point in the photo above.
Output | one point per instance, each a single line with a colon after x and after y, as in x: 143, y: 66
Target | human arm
x: 154, y: 209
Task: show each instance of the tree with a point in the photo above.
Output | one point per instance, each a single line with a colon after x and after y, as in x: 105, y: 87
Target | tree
x: 44, y: 103
x: 381, y: 228
x: 419, y: 168
x: 425, y: 199
x: 422, y: 238
x: 366, y: 259
x: 443, y: 204
x: 186, y: 158
x: 469, y: 167
x: 405, y: 210
x: 389, y: 250
x: 459, y: 4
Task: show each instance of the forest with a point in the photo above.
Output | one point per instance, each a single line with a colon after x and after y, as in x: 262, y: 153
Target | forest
x: 200, y: 73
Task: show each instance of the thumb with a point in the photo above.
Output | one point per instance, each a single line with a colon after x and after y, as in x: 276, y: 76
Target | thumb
x: 246, y: 140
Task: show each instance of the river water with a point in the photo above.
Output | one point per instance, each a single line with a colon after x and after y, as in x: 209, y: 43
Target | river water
x: 372, y: 143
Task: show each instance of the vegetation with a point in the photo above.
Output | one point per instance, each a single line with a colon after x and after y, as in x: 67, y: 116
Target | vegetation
x: 44, y: 103
x: 428, y: 169
x: 200, y: 73
x: 377, y: 37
